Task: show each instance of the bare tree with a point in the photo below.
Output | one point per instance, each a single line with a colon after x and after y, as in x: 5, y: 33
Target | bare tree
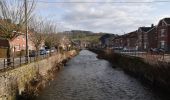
x: 36, y: 35
x: 12, y: 16
x: 12, y: 19
x: 52, y: 39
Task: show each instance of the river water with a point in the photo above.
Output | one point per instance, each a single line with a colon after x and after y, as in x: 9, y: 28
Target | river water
x: 86, y: 77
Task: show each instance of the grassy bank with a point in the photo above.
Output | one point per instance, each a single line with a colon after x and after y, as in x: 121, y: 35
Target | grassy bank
x: 156, y: 75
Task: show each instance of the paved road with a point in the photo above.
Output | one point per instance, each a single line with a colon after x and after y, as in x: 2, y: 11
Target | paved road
x: 87, y: 78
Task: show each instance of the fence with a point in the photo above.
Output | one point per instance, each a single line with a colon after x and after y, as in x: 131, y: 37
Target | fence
x: 11, y: 63
x: 152, y: 58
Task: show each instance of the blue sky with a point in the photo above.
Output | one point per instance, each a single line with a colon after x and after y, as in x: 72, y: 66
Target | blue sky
x: 106, y: 17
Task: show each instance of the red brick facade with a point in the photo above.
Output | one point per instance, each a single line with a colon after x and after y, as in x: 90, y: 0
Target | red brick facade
x: 19, y: 43
x: 152, y: 38
x: 146, y: 38
x: 163, y: 31
x: 132, y: 40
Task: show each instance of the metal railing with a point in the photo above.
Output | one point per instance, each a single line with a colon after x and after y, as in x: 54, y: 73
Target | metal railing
x: 150, y: 57
x: 153, y: 58
x: 14, y: 62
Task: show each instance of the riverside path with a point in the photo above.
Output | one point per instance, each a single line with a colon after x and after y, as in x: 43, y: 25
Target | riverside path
x: 86, y: 77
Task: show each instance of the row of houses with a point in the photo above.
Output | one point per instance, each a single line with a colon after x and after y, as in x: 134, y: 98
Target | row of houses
x: 145, y: 38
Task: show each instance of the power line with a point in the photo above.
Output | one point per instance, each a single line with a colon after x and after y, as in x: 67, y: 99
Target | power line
x: 112, y: 2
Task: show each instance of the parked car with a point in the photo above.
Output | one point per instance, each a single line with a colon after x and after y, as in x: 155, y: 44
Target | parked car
x: 162, y: 50
x: 53, y: 49
x: 47, y: 51
x: 157, y: 50
x: 32, y: 53
x: 43, y: 52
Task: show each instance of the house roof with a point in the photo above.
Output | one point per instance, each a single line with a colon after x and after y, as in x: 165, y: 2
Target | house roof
x: 167, y: 20
x: 106, y: 36
x: 152, y: 29
x: 132, y: 34
x: 145, y: 29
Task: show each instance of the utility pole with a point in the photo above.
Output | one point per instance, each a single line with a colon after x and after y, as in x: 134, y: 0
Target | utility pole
x: 26, y: 31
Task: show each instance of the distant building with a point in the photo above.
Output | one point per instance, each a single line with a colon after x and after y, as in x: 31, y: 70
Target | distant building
x: 142, y: 42
x: 163, y: 31
x: 132, y: 40
x: 106, y: 39
x: 146, y: 38
x: 65, y: 43
x: 152, y: 38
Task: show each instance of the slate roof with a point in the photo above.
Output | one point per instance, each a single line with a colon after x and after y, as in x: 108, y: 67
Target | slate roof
x: 167, y: 20
x: 132, y: 34
x: 145, y: 29
x: 152, y: 29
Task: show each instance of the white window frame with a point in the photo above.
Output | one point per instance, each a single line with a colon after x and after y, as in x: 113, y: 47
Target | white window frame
x: 162, y: 32
x: 145, y: 45
x: 17, y: 47
x: 162, y: 44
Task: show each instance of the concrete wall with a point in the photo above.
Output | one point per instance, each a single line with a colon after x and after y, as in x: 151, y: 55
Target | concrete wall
x: 13, y: 82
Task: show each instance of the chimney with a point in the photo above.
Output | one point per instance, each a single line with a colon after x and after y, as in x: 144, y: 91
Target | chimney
x: 152, y: 25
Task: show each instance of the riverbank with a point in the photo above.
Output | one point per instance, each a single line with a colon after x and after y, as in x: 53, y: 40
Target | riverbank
x: 85, y: 77
x: 36, y: 85
x: 157, y: 75
x: 26, y: 82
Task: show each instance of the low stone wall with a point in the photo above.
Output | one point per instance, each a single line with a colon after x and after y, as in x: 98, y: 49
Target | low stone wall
x: 157, y: 75
x: 13, y: 82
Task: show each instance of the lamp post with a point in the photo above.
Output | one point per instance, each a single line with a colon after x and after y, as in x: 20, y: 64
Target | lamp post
x: 26, y: 31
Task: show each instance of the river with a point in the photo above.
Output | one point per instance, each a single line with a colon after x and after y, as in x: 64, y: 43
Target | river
x: 86, y: 77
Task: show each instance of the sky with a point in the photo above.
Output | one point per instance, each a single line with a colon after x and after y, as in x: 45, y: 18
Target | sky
x: 116, y: 18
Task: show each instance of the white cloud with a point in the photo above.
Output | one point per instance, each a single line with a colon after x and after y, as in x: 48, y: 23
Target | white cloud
x: 114, y: 18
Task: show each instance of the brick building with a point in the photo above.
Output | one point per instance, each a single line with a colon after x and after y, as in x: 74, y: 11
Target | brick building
x: 146, y: 38
x: 163, y: 31
x: 132, y: 40
x: 17, y: 43
x: 118, y: 42
x: 142, y: 41
x: 152, y: 38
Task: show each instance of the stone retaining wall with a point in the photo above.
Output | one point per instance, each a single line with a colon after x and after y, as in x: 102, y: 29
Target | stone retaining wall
x: 157, y: 75
x: 13, y: 82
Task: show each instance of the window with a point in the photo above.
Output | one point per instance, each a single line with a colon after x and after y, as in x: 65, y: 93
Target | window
x: 145, y: 44
x: 17, y: 47
x: 17, y: 38
x: 162, y: 44
x: 163, y: 32
x: 23, y: 37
